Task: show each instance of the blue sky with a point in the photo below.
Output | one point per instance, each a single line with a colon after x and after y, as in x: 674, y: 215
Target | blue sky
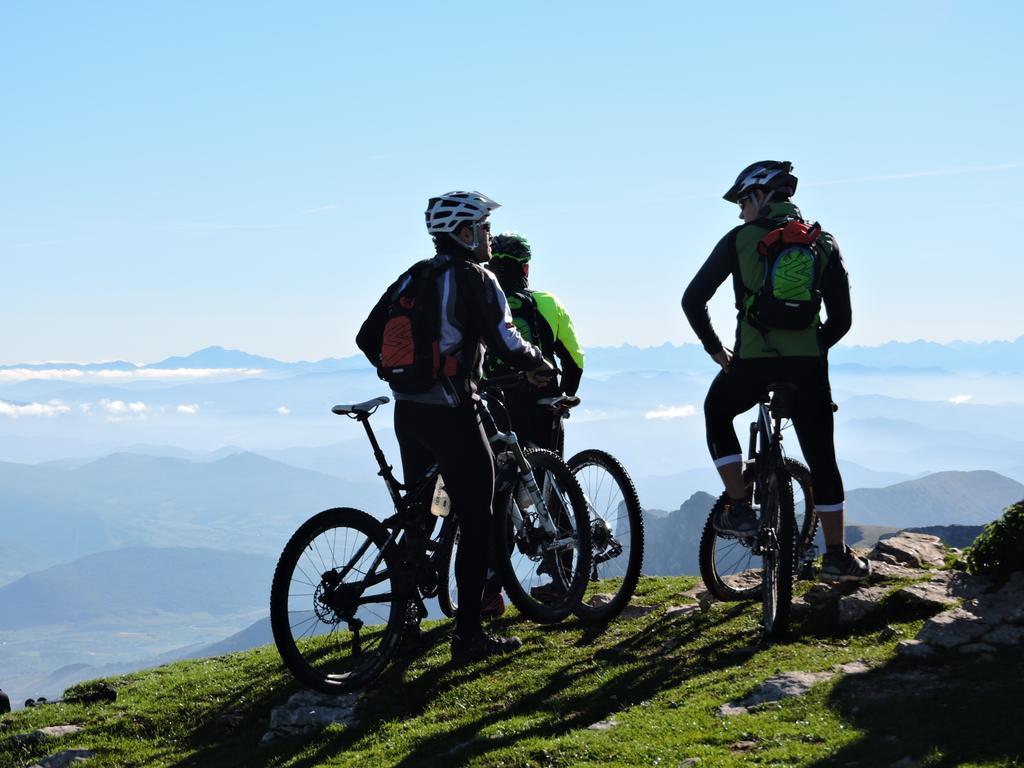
x: 176, y: 175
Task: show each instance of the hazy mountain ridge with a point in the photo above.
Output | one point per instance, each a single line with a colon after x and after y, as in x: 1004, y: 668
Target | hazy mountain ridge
x: 123, y: 585
x: 242, y: 502
x: 124, y: 609
x: 995, y: 356
x: 943, y: 498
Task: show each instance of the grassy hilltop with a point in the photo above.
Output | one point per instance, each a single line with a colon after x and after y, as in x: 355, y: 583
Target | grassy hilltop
x: 653, y: 686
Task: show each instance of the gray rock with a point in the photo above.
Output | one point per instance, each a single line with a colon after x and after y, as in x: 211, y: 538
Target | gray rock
x: 744, y: 579
x: 1005, y: 634
x: 64, y: 759
x: 307, y: 711
x: 928, y: 596
x: 1016, y: 617
x: 995, y: 608
x: 914, y: 549
x: 636, y: 611
x: 963, y: 585
x: 906, y: 762
x: 881, y: 569
x: 600, y: 600
x: 952, y: 628
x: 676, y: 611
x: 853, y: 668
x: 49, y: 732
x: 974, y: 649
x: 690, y: 761
x: 915, y: 649
x: 821, y: 594
x: 776, y: 688
x: 884, y: 557
x: 602, y: 725
x: 854, y: 607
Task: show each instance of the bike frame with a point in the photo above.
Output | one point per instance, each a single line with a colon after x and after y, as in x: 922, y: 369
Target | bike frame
x: 504, y: 443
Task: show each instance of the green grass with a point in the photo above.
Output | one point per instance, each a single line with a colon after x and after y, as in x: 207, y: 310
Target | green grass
x: 660, y: 680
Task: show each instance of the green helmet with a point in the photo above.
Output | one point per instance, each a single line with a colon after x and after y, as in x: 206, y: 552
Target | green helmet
x: 512, y: 246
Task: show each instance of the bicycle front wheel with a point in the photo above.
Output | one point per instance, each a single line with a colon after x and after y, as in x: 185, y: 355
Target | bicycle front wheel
x: 545, y: 575
x: 778, y: 541
x: 616, y: 534
x: 336, y: 603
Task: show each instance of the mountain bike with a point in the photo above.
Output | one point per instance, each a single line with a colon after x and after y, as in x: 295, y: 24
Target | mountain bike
x: 784, y: 541
x: 347, y: 585
x: 616, y: 517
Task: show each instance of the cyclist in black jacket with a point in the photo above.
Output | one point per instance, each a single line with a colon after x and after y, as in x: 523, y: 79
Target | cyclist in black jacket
x: 765, y: 355
x: 442, y: 423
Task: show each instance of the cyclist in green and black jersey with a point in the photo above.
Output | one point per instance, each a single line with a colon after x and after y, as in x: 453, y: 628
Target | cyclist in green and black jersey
x: 764, y: 355
x: 541, y: 319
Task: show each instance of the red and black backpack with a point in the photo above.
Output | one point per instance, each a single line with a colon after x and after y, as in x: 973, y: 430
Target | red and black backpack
x: 790, y: 296
x: 410, y: 346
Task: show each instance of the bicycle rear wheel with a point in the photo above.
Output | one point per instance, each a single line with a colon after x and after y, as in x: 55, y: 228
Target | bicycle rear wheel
x: 616, y: 534
x: 533, y: 555
x: 337, y: 618
x: 728, y: 566
x: 805, y: 517
x: 778, y: 537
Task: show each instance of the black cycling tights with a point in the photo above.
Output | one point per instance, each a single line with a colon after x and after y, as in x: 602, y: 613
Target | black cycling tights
x: 455, y: 439
x: 739, y: 390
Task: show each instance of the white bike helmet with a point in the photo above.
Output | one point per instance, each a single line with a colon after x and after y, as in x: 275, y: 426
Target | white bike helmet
x: 449, y: 211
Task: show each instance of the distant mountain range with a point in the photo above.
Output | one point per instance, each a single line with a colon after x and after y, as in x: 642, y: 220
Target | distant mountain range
x: 992, y: 356
x: 115, y: 611
x: 242, y: 502
x: 943, y: 498
x: 136, y: 585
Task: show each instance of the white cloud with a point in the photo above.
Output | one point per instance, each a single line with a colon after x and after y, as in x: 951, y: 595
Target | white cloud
x: 13, y: 375
x: 191, y: 410
x: 284, y: 410
x: 671, y: 412
x: 85, y: 407
x: 960, y: 399
x: 119, y: 410
x: 50, y: 409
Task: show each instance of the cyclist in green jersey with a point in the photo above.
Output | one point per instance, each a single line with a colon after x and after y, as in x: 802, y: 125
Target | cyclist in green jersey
x: 543, y: 320
x: 765, y: 355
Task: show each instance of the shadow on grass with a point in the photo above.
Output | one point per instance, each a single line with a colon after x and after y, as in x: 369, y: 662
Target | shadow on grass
x: 962, y: 710
x: 630, y: 685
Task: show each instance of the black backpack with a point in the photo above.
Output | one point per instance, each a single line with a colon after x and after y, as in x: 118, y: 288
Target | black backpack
x: 790, y: 296
x: 410, y: 342
x: 531, y: 326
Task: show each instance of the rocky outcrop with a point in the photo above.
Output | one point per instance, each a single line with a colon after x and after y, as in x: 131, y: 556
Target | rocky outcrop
x: 64, y: 759
x: 968, y: 615
x: 307, y: 711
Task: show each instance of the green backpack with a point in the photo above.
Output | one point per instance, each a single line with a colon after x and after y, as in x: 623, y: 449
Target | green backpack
x: 790, y: 295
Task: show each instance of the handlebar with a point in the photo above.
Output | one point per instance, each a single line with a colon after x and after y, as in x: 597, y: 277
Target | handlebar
x: 501, y: 382
x: 559, y: 403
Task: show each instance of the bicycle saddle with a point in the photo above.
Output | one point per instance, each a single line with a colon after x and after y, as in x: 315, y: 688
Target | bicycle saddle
x: 361, y: 409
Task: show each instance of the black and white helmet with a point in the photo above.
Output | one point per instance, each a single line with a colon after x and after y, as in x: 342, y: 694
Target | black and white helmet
x: 767, y: 174
x: 447, y: 212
